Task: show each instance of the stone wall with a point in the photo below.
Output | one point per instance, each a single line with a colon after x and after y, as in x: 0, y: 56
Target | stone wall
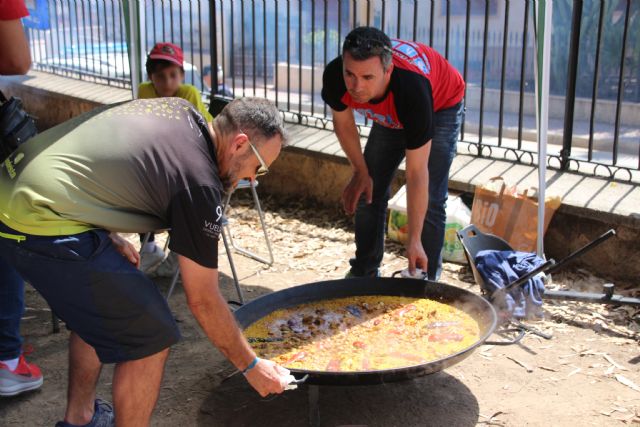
x: 49, y: 108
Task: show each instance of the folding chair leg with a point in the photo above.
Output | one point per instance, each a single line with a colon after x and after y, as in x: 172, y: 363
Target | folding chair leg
x: 174, y: 280
x: 264, y: 226
x: 147, y: 236
x: 233, y: 266
x: 242, y: 251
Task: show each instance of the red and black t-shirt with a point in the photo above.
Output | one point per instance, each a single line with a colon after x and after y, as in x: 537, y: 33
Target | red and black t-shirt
x: 422, y: 82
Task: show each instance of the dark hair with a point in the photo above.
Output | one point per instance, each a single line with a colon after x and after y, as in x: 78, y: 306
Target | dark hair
x: 155, y: 65
x: 366, y: 42
x: 258, y: 117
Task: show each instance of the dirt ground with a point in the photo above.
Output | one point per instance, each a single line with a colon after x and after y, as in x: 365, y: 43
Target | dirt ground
x: 587, y: 374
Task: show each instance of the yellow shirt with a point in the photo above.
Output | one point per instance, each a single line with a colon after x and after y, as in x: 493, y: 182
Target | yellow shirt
x: 188, y: 92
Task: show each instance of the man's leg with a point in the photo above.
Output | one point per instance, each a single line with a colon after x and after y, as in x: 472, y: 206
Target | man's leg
x: 84, y: 372
x: 443, y: 149
x: 11, y: 309
x: 16, y: 375
x: 383, y: 154
x: 136, y: 385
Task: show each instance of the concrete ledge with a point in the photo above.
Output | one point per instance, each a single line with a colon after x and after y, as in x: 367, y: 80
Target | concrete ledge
x: 314, y: 166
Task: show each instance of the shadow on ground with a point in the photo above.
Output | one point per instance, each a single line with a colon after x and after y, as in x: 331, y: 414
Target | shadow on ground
x: 433, y: 400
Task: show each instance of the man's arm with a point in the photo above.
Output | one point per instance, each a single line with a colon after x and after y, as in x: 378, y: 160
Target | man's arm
x: 417, y: 175
x: 212, y: 313
x: 347, y: 133
x: 345, y: 126
x: 14, y: 48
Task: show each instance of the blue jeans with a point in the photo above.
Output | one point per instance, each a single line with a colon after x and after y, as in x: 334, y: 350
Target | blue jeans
x: 383, y: 154
x: 11, y: 310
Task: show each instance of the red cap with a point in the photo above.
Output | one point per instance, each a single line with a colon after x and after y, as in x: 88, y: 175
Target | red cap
x: 167, y: 51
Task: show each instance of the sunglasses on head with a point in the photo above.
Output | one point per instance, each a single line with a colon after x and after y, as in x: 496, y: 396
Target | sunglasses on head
x: 366, y: 44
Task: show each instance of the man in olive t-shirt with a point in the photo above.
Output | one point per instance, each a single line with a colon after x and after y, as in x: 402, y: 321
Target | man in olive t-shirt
x: 138, y: 166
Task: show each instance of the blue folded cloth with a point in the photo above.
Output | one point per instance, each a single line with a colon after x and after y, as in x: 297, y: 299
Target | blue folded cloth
x: 499, y: 268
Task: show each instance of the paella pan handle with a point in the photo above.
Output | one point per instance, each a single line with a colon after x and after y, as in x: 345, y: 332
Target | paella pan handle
x: 301, y: 380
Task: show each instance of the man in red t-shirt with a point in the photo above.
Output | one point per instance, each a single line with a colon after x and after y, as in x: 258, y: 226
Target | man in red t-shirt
x: 414, y: 98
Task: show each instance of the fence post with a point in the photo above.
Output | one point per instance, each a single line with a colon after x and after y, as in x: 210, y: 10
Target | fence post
x: 572, y: 72
x: 213, y: 48
x: 132, y: 21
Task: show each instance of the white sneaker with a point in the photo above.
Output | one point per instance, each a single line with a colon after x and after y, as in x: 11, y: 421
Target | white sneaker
x: 150, y: 259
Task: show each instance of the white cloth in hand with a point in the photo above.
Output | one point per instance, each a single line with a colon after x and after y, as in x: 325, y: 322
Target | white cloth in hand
x: 286, y: 378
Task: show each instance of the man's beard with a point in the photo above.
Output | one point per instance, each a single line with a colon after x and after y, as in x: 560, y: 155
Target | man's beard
x: 230, y: 178
x: 227, y: 181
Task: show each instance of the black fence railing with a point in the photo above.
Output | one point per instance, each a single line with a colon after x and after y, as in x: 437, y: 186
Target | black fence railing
x: 83, y: 39
x: 278, y: 49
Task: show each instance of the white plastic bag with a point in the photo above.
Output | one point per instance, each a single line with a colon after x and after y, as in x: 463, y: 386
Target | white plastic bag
x: 458, y: 217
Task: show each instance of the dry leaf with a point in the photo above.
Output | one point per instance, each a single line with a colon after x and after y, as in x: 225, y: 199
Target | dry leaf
x: 524, y: 365
x: 565, y: 356
x: 575, y: 371
x: 613, y: 362
x: 626, y: 381
x: 490, y: 418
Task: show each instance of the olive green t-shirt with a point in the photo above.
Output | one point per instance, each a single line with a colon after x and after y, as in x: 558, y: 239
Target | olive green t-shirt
x: 138, y: 166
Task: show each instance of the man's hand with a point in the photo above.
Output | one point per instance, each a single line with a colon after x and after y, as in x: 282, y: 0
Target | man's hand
x: 125, y: 248
x: 360, y: 183
x: 347, y: 133
x: 417, y: 257
x: 266, y: 377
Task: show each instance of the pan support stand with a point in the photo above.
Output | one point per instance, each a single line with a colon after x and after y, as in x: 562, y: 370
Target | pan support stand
x: 313, y: 392
x: 521, y: 329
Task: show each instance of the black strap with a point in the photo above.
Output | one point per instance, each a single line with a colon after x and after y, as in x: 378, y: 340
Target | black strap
x: 3, y: 98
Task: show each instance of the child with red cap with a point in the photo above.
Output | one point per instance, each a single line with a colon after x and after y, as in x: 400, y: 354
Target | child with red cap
x: 166, y: 74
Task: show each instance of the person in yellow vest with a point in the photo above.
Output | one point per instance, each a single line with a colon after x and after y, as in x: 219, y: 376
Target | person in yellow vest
x: 165, y: 69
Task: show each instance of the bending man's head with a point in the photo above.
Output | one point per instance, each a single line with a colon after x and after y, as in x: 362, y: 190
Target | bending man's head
x: 249, y: 136
x: 368, y: 42
x: 367, y: 63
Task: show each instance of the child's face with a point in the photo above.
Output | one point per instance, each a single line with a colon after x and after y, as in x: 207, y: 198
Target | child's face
x: 167, y: 80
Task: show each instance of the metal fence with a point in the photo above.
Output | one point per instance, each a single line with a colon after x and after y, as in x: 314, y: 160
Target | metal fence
x: 278, y: 49
x: 81, y: 39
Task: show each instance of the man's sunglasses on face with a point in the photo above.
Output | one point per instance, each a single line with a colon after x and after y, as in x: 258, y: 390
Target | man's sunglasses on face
x: 263, y: 169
